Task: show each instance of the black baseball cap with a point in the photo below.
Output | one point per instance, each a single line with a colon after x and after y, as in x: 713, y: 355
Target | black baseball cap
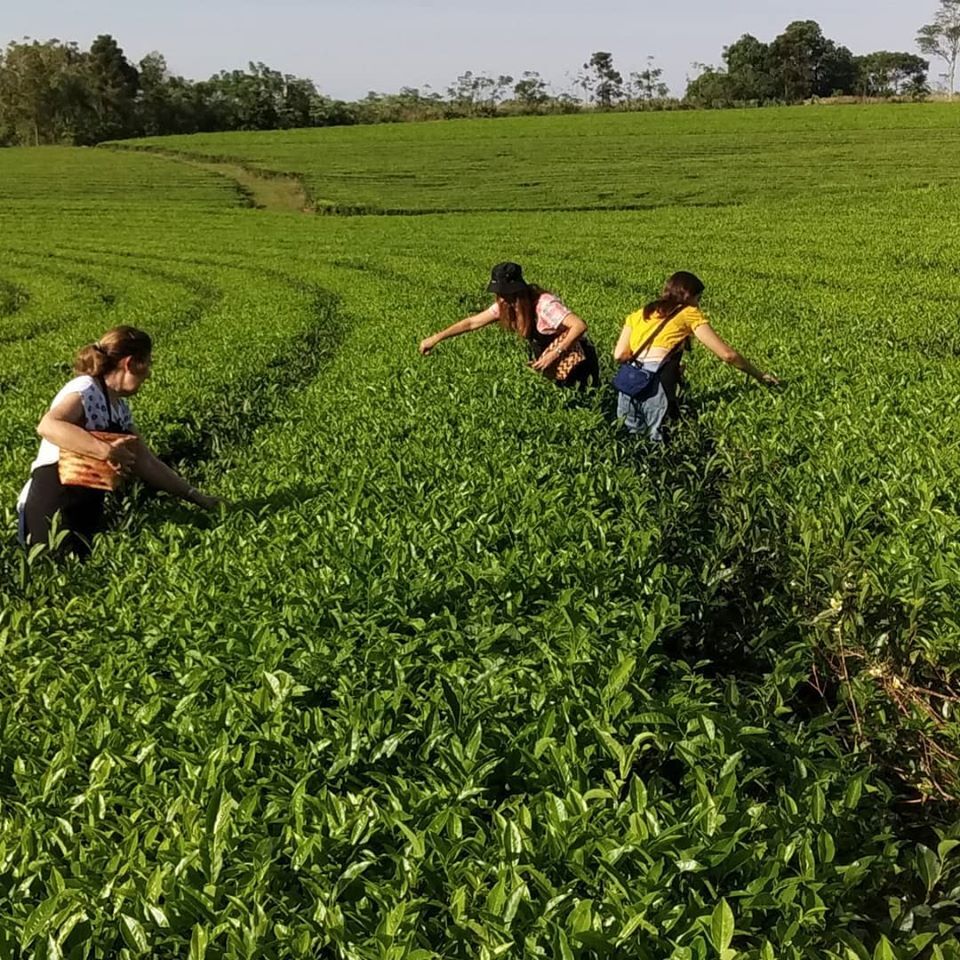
x: 506, y: 279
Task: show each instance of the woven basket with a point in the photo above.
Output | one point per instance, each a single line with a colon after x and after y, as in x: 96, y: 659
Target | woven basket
x: 569, y: 362
x: 79, y: 470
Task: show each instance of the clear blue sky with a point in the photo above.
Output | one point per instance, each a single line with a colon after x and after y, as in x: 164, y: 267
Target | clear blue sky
x: 351, y: 46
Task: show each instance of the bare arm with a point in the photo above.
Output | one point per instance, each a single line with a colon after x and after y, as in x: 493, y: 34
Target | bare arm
x: 718, y: 346
x: 622, y: 352
x: 61, y: 426
x: 466, y: 325
x: 572, y: 328
x: 152, y: 470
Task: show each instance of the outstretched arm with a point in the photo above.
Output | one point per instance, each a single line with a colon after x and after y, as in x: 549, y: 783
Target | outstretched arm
x: 475, y: 322
x: 718, y: 346
x: 152, y: 470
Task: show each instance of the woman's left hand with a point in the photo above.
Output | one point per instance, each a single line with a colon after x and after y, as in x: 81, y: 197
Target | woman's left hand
x: 546, y: 360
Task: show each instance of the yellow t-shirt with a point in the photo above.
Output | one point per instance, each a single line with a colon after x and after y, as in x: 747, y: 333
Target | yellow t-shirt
x: 674, y: 331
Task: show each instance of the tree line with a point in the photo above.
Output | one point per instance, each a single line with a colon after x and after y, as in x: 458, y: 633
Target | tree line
x: 801, y: 64
x: 54, y: 92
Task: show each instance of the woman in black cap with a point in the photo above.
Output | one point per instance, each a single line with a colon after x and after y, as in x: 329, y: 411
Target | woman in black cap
x: 554, y: 333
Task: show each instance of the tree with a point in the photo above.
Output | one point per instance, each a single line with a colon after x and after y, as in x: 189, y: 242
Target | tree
x: 43, y: 96
x: 603, y: 84
x: 751, y: 71
x: 797, y: 53
x: 941, y: 39
x: 530, y: 90
x: 837, y: 72
x: 476, y: 93
x: 493, y: 90
x: 164, y: 102
x: 647, y: 84
x: 711, y: 88
x: 296, y: 103
x: 113, y: 83
x: 325, y: 112
x: 409, y: 104
x: 798, y: 64
x: 259, y: 98
x: 465, y: 92
x: 888, y: 74
x: 54, y: 93
x: 807, y: 64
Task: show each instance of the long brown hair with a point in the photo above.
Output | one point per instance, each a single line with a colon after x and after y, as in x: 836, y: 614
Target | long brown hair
x: 519, y: 313
x: 681, y: 290
x: 100, y: 358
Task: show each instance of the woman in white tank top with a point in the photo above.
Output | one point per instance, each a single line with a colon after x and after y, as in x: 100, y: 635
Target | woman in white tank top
x: 108, y: 371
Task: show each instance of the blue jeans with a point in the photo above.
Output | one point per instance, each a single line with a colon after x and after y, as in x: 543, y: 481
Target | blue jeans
x: 645, y: 415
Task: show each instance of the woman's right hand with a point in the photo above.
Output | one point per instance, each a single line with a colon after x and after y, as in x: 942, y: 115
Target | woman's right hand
x: 121, y: 453
x: 205, y: 501
x: 769, y: 380
x: 426, y: 345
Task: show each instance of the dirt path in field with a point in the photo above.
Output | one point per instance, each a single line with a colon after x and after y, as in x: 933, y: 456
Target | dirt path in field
x: 264, y: 190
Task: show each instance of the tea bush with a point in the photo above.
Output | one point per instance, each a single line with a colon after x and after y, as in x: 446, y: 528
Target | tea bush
x: 463, y: 671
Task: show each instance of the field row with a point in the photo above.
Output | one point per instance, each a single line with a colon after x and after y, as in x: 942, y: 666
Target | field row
x: 81, y: 182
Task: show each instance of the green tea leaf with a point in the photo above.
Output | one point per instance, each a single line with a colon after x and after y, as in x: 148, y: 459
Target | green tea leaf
x: 134, y: 935
x: 884, y: 950
x: 928, y: 866
x: 721, y: 926
x: 198, y: 943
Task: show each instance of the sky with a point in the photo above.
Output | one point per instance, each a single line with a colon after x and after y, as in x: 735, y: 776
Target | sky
x: 349, y: 47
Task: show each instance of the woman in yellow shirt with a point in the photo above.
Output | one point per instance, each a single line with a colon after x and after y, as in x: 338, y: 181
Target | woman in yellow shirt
x: 653, y: 338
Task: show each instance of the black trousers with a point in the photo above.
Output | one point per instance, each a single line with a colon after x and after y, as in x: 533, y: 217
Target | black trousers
x: 80, y: 511
x: 671, y: 376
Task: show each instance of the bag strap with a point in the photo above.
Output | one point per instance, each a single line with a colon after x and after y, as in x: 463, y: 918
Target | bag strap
x: 653, y: 336
x: 113, y: 425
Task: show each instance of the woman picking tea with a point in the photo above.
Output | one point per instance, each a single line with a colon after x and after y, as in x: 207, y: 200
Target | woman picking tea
x: 88, y: 443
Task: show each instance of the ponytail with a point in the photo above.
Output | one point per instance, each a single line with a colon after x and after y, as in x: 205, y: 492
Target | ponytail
x: 681, y: 290
x: 100, y: 358
x: 91, y: 359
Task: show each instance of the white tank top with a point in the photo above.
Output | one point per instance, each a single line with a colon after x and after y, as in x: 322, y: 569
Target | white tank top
x: 96, y: 414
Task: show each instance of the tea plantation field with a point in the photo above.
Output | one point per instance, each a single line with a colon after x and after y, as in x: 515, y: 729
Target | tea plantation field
x: 462, y: 671
x: 608, y: 161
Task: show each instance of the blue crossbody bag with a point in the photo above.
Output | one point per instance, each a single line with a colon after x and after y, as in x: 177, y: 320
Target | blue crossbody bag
x: 631, y: 379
